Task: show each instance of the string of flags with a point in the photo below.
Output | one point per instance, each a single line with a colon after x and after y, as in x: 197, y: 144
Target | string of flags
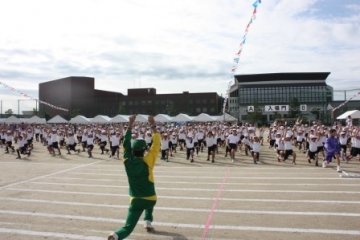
x: 344, y: 103
x: 32, y: 98
x: 237, y: 55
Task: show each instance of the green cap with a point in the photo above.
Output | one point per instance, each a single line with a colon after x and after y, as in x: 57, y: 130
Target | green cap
x: 139, y: 145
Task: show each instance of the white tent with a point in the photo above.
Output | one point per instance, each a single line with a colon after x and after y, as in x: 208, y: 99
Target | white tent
x: 35, y: 119
x: 163, y: 118
x: 182, y: 118
x: 141, y: 118
x: 226, y: 118
x: 2, y: 120
x: 354, y: 114
x: 100, y: 119
x: 13, y: 119
x: 79, y: 119
x: 203, y: 117
x: 57, y: 119
x: 120, y: 119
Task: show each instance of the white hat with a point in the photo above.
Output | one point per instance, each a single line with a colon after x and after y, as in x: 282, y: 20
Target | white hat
x: 312, y: 136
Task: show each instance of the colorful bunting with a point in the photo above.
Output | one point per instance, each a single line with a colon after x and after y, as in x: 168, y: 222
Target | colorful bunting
x: 27, y: 96
x: 237, y: 58
x: 343, y: 104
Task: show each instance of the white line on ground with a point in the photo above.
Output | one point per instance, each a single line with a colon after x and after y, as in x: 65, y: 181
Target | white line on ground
x: 187, y: 198
x: 212, y: 183
x: 187, y: 209
x: 182, y: 225
x: 207, y: 177
x: 47, y: 175
x: 199, y: 189
x: 49, y: 234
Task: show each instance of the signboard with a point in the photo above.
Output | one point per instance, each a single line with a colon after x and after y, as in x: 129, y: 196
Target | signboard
x: 303, y: 107
x: 276, y: 108
x: 250, y: 108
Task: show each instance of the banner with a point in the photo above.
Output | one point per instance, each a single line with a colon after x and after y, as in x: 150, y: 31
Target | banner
x: 32, y: 98
x: 343, y: 104
x: 237, y: 55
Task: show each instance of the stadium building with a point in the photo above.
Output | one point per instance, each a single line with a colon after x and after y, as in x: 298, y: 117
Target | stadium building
x: 280, y: 94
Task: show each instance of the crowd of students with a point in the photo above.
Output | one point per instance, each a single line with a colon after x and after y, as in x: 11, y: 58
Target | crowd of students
x: 316, y: 141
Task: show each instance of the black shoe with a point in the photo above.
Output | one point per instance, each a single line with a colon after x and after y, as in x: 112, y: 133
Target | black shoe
x: 192, y: 160
x: 212, y: 161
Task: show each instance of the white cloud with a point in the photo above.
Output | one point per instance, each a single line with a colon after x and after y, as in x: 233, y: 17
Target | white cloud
x: 174, y: 46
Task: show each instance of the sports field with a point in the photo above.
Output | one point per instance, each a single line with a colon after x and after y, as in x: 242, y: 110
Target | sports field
x: 74, y: 197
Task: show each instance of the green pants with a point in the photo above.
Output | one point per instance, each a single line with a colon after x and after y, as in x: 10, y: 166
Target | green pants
x: 136, y: 208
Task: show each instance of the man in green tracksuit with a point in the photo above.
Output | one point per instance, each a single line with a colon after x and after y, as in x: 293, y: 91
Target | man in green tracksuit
x: 139, y: 169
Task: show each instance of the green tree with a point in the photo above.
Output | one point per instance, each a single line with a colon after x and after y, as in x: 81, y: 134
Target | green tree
x: 256, y: 115
x: 171, y: 109
x: 9, y: 112
x: 122, y: 110
x: 294, y: 108
x: 47, y: 116
x: 75, y: 112
x: 35, y: 111
x: 276, y: 115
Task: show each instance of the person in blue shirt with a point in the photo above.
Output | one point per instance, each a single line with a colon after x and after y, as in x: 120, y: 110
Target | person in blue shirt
x: 332, y: 149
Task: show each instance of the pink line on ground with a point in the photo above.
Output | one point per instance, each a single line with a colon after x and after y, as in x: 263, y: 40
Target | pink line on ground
x: 208, y: 222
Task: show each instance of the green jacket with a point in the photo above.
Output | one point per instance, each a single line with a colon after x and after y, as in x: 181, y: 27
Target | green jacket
x: 140, y: 170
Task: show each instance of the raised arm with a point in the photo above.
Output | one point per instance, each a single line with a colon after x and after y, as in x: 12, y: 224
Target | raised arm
x: 127, y: 138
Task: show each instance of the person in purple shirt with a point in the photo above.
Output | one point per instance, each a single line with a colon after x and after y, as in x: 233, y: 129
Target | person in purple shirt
x: 332, y: 149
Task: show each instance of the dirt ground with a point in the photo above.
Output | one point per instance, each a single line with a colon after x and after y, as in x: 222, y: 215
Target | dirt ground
x: 75, y: 197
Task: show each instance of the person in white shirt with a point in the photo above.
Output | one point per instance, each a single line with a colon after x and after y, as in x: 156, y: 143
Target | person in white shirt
x: 246, y: 143
x: 115, y: 144
x: 255, y: 146
x: 343, y: 140
x: 8, y: 139
x: 312, y: 151
x: 211, y: 143
x: 173, y: 141
x: 182, y: 138
x: 21, y: 147
x: 190, y: 144
x: 54, y: 142
x: 90, y: 143
x: 165, y: 147
x: 103, y: 141
x: 355, y: 148
x: 71, y: 143
x: 288, y: 145
x: 232, y: 142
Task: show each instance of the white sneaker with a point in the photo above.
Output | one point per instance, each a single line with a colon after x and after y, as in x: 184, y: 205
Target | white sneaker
x: 113, y: 236
x: 324, y: 165
x: 338, y: 169
x: 148, y: 226
x: 232, y: 160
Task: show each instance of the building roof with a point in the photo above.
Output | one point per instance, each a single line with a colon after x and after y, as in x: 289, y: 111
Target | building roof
x: 266, y: 77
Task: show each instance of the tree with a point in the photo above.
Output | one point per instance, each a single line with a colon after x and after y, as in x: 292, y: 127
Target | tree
x: 256, y: 115
x: 122, y: 110
x: 294, y: 108
x: 35, y: 111
x: 276, y: 115
x: 47, y: 116
x: 75, y: 112
x: 171, y: 109
x: 9, y: 112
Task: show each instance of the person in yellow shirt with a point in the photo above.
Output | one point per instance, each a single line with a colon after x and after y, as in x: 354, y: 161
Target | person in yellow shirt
x: 139, y: 170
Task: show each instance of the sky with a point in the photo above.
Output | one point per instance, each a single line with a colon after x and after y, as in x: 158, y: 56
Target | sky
x: 173, y: 46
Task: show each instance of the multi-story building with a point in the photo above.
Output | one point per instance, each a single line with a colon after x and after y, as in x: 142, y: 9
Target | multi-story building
x: 79, y: 96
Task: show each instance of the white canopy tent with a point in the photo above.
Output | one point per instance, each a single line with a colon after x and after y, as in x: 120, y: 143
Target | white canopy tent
x: 13, y: 119
x: 100, y: 119
x: 35, y: 119
x: 182, y: 118
x: 226, y: 118
x: 163, y: 118
x: 57, y: 119
x: 2, y: 120
x: 203, y: 117
x: 354, y: 114
x: 79, y: 119
x: 120, y: 119
x: 141, y: 118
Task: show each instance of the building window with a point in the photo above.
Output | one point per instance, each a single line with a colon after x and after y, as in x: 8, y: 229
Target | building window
x: 190, y: 101
x: 130, y: 103
x: 123, y: 103
x: 198, y: 110
x: 204, y: 110
x: 212, y: 110
x: 212, y: 100
x: 204, y: 100
x: 198, y: 101
x: 136, y: 103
